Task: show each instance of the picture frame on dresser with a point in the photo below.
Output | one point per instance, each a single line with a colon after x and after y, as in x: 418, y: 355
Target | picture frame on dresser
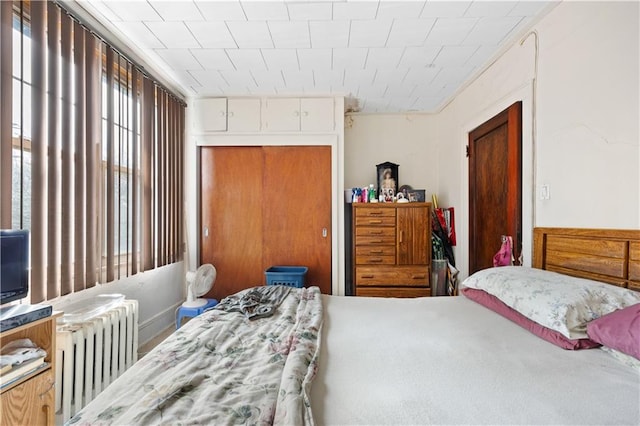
x: 387, y: 174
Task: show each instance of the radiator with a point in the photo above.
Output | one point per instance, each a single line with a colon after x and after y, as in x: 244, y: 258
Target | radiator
x: 92, y: 354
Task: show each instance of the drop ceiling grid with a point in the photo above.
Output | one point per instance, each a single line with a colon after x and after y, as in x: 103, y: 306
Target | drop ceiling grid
x: 390, y: 54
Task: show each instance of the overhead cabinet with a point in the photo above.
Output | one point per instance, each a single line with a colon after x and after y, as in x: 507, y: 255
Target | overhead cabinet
x: 299, y: 115
x: 222, y: 115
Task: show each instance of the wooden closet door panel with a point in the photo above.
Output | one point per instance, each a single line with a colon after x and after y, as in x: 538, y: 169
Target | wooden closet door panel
x: 297, y: 193
x: 232, y: 202
x: 413, y: 233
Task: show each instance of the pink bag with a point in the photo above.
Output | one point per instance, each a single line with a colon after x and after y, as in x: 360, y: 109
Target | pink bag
x: 504, y: 256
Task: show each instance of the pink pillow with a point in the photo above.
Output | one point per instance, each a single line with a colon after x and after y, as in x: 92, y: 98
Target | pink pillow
x: 491, y: 302
x: 619, y: 330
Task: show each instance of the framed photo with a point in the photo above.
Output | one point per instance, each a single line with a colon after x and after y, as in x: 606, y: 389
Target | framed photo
x: 416, y: 195
x: 387, y: 181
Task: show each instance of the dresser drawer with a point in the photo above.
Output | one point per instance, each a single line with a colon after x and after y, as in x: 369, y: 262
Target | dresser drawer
x: 392, y: 276
x: 369, y: 211
x: 368, y: 236
x: 375, y: 260
x: 376, y: 251
x: 393, y: 291
x: 376, y: 221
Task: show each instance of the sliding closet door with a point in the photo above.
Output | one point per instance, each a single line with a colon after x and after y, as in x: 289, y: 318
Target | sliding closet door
x: 265, y: 206
x: 231, y: 219
x: 297, y: 222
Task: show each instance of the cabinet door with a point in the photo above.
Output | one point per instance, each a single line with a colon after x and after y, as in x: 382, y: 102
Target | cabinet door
x: 243, y: 115
x: 210, y: 115
x: 282, y: 115
x: 316, y: 115
x: 30, y: 403
x: 413, y: 247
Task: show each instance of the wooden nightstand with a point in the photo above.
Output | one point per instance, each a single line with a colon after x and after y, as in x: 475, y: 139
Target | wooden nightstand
x: 30, y: 400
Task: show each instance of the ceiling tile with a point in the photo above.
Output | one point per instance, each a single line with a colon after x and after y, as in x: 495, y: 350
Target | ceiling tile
x: 287, y: 34
x: 211, y: 34
x: 492, y: 30
x: 265, y: 10
x: 445, y: 9
x: 140, y: 32
x: 390, y: 75
x: 400, y: 102
x: 373, y: 104
x: 377, y: 90
x: 213, y: 59
x: 177, y: 10
x: 420, y: 75
x: 173, y: 34
x: 315, y: 59
x: 186, y: 78
x: 409, y: 32
x: 309, y: 11
x: 451, y: 76
x: 179, y: 59
x: 329, y: 33
x: 355, y: 10
x: 529, y: 8
x: 453, y: 56
x: 326, y: 79
x: 133, y: 11
x: 369, y: 33
x: 401, y: 90
x: 419, y: 56
x: 384, y: 57
x: 349, y: 57
x: 481, y: 9
x: 427, y: 103
x: 250, y: 59
x: 240, y: 81
x: 208, y: 78
x: 281, y: 59
x: 271, y: 78
x: 298, y: 80
x: 399, y: 9
x: 447, y: 31
x: 221, y: 10
x: 359, y: 77
x: 481, y: 56
x: 250, y: 34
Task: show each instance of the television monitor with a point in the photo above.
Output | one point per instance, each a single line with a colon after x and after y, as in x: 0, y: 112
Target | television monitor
x: 14, y: 264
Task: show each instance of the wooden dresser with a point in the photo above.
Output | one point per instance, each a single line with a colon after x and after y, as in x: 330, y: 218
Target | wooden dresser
x: 392, y: 249
x: 30, y: 400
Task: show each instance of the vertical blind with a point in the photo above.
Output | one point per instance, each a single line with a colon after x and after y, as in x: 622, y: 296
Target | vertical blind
x: 91, y: 153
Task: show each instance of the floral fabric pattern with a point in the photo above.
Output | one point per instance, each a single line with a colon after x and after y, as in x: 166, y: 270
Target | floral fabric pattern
x: 559, y: 302
x: 222, y: 368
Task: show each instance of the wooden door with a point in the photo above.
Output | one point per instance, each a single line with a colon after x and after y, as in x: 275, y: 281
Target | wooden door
x: 495, y: 186
x: 265, y: 206
x: 297, y: 224
x: 412, y: 233
x: 231, y: 229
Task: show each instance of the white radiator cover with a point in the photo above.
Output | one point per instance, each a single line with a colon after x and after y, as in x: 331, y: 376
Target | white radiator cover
x: 92, y: 354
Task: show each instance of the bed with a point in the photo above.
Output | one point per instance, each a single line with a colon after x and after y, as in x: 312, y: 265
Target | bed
x: 305, y: 358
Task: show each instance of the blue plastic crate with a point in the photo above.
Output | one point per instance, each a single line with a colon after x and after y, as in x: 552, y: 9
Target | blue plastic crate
x: 292, y: 276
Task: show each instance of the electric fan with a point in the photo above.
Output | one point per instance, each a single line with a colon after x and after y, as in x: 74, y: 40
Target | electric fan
x: 199, y: 283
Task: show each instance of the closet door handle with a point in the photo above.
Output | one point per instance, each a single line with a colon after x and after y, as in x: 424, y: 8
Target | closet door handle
x: 205, y: 232
x: 401, y: 236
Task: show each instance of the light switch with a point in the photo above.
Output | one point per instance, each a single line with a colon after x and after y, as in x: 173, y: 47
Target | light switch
x: 544, y: 192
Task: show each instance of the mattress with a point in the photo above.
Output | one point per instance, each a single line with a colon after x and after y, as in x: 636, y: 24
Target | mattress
x: 449, y: 360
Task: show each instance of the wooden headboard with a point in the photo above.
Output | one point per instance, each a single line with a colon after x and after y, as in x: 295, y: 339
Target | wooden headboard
x: 607, y: 255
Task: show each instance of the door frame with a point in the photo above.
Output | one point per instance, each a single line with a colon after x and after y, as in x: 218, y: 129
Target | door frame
x: 335, y: 140
x: 525, y: 94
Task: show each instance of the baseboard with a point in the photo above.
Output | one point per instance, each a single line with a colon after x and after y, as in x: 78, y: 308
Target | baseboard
x: 157, y: 324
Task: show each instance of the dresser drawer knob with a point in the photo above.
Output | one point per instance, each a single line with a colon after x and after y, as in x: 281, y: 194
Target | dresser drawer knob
x: 375, y: 222
x: 375, y: 260
x: 375, y: 232
x: 375, y: 251
x: 367, y: 276
x: 418, y: 277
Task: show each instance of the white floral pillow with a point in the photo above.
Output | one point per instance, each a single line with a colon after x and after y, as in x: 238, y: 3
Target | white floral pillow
x: 559, y: 302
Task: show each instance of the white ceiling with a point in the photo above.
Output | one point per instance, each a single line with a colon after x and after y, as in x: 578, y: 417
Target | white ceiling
x: 386, y: 56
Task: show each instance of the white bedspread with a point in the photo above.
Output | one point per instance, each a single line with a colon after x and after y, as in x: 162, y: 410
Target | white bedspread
x: 449, y: 360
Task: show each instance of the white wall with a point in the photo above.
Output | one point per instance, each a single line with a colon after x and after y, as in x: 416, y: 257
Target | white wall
x: 408, y: 140
x: 159, y: 293
x: 587, y: 139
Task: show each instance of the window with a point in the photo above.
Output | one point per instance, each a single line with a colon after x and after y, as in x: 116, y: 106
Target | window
x: 95, y: 153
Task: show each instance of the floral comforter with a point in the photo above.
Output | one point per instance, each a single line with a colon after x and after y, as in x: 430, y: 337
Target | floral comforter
x: 222, y: 368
